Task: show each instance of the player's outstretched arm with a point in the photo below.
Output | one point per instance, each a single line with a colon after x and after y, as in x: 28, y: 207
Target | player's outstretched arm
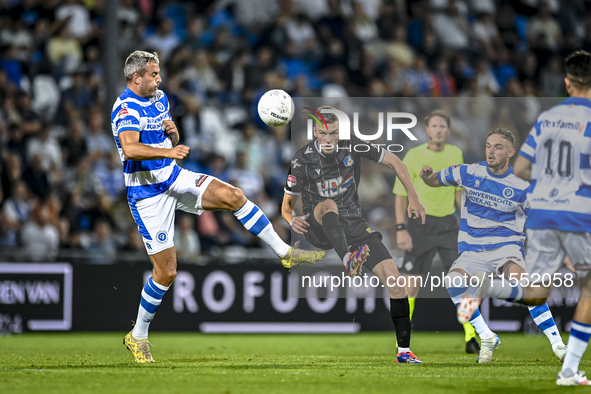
x: 429, y: 177
x: 297, y: 223
x: 522, y: 168
x: 135, y: 150
x: 414, y: 205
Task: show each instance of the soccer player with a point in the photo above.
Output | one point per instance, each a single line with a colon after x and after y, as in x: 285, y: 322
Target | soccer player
x: 491, y: 233
x: 326, y: 173
x: 147, y: 140
x: 440, y: 231
x: 556, y: 157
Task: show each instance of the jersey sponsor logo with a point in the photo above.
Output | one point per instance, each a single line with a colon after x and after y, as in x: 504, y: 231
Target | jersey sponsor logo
x: 348, y: 161
x: 309, y: 150
x: 200, y: 179
x: 162, y: 236
x: 295, y: 163
x: 445, y: 173
x: 334, y: 186
x: 125, y: 122
x: 122, y: 113
x: 160, y: 107
x: 291, y: 181
x: 456, y: 166
x: 508, y: 192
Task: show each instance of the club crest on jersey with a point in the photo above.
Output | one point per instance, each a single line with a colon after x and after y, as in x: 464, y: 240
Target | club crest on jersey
x: 162, y: 236
x: 348, y: 161
x: 508, y: 192
x: 477, y: 183
x: 160, y: 107
x: 291, y: 181
x: 553, y: 193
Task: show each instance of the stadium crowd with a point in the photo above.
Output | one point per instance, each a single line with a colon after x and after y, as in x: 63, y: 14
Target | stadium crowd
x: 61, y: 184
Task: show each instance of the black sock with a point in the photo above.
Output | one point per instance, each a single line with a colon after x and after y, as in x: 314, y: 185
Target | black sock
x: 335, y: 233
x: 400, y: 313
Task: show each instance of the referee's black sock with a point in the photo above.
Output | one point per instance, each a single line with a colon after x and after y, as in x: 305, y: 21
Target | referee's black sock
x: 335, y: 233
x: 400, y: 313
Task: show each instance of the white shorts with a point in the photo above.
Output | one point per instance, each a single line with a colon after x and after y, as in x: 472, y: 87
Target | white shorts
x: 547, y: 248
x: 489, y: 261
x: 155, y: 215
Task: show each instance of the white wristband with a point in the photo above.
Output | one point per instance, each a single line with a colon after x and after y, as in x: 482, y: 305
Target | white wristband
x: 293, y: 218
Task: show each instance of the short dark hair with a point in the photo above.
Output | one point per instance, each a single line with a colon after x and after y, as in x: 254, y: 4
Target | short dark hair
x: 329, y: 118
x: 503, y: 132
x: 578, y: 69
x: 437, y: 112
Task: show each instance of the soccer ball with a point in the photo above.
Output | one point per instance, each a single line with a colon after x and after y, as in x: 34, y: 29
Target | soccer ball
x: 276, y: 108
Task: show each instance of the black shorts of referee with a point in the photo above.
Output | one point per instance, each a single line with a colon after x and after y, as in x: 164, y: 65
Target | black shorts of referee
x: 438, y: 234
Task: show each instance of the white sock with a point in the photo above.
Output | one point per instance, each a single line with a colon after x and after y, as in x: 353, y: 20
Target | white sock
x: 481, y: 327
x: 151, y: 299
x: 346, y: 258
x: 577, y: 344
x: 403, y: 349
x: 255, y: 221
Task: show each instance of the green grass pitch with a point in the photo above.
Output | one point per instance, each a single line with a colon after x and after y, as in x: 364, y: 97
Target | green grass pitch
x: 197, y: 363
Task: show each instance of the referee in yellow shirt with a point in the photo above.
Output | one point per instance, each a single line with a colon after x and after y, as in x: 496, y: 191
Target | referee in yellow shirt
x: 440, y: 231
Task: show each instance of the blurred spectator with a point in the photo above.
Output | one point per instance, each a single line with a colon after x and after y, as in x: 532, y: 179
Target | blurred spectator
x: 100, y: 144
x: 546, y: 26
x: 79, y: 96
x: 20, y: 38
x: 77, y: 18
x: 110, y: 175
x: 18, y: 208
x: 164, y: 40
x: 64, y: 51
x: 73, y: 145
x: 451, y: 27
x: 46, y: 146
x: 506, y: 25
x: 444, y: 84
x: 29, y: 120
x: 186, y: 240
x: 552, y: 78
x: 40, y: 239
x: 102, y: 243
x: 36, y: 177
x: 488, y: 40
x: 249, y: 181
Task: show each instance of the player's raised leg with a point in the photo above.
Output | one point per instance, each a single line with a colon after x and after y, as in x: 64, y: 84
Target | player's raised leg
x: 221, y: 195
x: 456, y: 284
x: 158, y: 283
x: 326, y: 214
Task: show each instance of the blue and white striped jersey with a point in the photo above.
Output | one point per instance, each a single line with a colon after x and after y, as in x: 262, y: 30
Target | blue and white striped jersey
x: 559, y: 147
x: 144, y: 178
x: 493, y: 206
